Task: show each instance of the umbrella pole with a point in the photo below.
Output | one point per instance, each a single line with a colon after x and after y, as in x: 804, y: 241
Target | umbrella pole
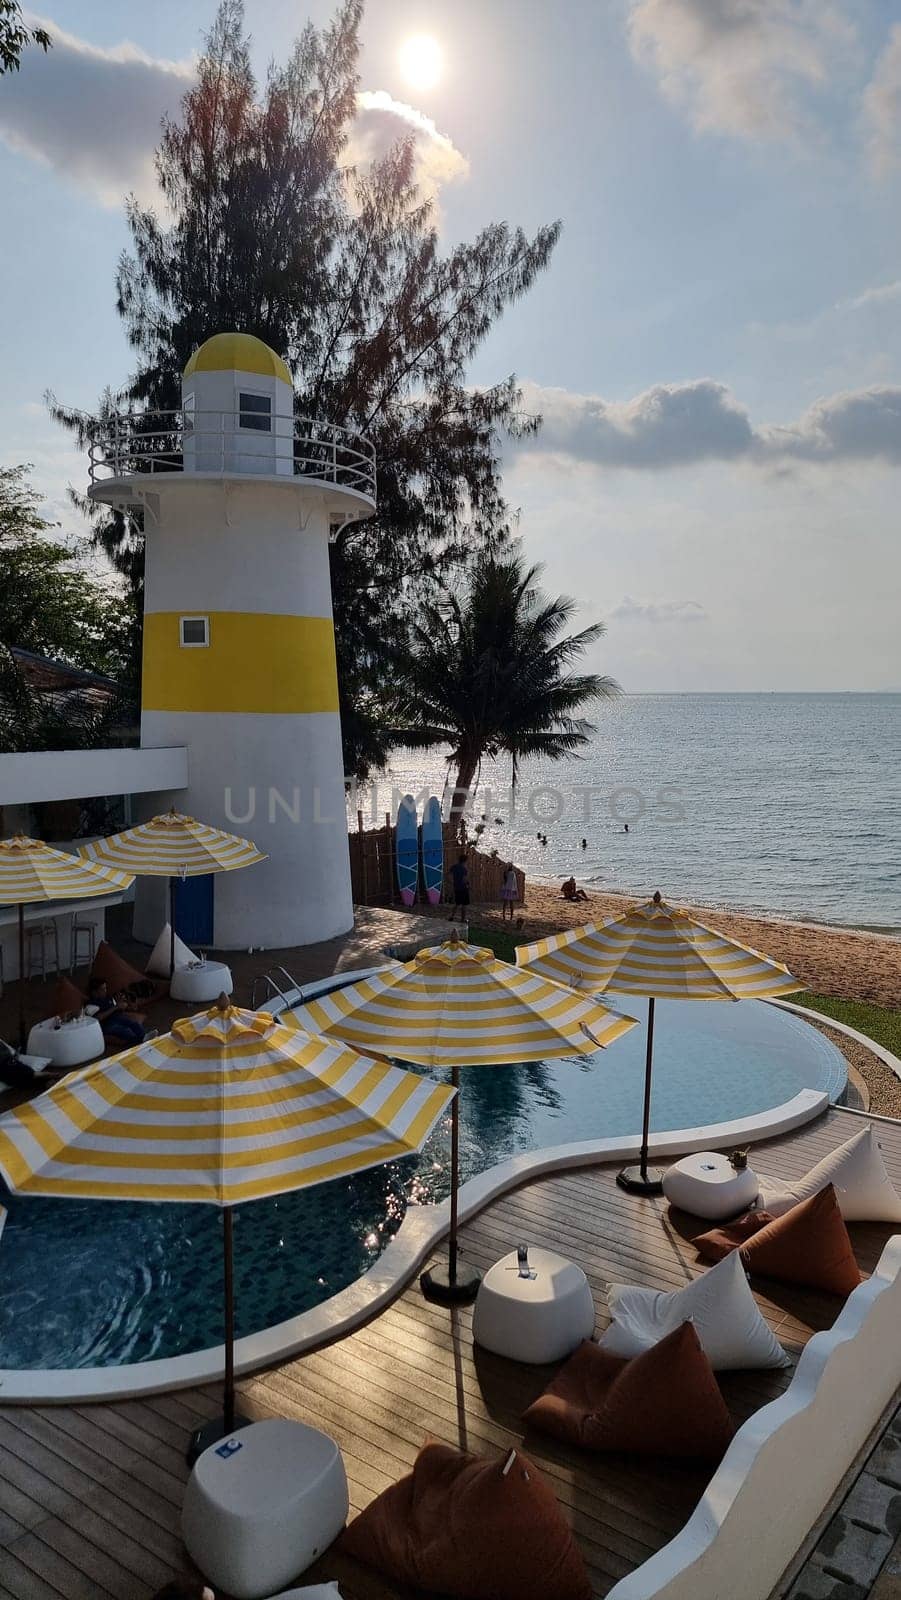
x: 455, y: 1180
x: 229, y: 1290
x: 454, y: 1284
x: 171, y: 929
x: 21, y: 976
x: 644, y: 1179
x: 220, y: 1430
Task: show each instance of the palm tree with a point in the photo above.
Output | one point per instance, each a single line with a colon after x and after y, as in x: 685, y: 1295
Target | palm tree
x: 489, y: 673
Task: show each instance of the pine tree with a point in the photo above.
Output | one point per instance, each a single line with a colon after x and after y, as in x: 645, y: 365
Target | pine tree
x: 267, y: 230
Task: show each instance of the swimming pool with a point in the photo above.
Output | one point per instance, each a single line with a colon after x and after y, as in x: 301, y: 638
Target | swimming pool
x: 90, y: 1283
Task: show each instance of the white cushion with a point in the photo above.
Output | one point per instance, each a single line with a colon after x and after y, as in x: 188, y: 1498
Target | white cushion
x: 318, y: 1591
x: 863, y: 1188
x: 719, y: 1305
x: 160, y: 955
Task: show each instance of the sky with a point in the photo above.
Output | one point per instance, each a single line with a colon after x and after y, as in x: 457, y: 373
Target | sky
x: 715, y: 348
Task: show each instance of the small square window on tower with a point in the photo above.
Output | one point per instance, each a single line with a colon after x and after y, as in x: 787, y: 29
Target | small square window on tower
x: 194, y: 632
x: 255, y: 411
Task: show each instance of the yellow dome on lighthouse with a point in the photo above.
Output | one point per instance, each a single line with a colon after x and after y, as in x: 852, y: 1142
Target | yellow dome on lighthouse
x: 237, y: 352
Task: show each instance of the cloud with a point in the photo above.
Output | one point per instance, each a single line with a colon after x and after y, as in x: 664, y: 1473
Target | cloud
x: 381, y: 121
x: 861, y: 425
x: 684, y: 424
x: 667, y: 426
x: 882, y: 108
x: 747, y: 68
x: 92, y: 114
x: 630, y: 610
x: 880, y: 294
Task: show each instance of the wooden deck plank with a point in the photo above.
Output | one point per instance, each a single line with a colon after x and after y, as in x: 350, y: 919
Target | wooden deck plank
x: 91, y: 1494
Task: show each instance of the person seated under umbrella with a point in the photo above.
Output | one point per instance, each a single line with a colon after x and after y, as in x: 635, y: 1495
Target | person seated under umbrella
x: 125, y: 1027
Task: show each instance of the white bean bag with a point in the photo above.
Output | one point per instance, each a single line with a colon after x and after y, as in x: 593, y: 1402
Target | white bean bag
x: 158, y: 965
x: 319, y: 1591
x: 863, y: 1188
x: 720, y: 1307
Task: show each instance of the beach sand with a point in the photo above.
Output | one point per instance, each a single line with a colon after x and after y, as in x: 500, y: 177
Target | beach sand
x: 837, y: 961
x: 843, y: 962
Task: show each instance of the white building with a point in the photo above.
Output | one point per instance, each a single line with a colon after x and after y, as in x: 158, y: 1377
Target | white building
x: 239, y: 684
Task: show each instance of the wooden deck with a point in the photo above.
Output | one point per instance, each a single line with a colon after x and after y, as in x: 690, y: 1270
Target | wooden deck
x: 90, y: 1495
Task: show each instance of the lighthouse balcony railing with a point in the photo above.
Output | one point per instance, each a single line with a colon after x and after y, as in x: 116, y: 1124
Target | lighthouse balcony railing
x: 129, y: 444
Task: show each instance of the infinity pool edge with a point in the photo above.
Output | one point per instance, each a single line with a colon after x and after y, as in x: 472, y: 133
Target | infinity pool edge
x: 422, y: 1229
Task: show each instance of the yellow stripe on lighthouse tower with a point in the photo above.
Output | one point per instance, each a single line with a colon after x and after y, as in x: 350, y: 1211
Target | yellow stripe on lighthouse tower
x: 239, y: 658
x: 254, y: 661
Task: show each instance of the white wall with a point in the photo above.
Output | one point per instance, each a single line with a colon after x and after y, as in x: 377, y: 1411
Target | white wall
x: 239, y: 547
x: 302, y: 893
x: 218, y: 444
x: 79, y: 774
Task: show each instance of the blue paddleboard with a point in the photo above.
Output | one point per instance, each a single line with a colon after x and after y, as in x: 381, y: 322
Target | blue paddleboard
x: 407, y: 849
x: 432, y: 850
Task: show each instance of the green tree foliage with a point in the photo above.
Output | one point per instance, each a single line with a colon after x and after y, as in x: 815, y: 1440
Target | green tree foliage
x: 15, y: 37
x: 51, y: 605
x: 489, y: 672
x: 267, y: 230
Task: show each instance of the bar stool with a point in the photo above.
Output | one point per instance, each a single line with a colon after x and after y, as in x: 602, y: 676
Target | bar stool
x: 42, y: 931
x: 81, y: 930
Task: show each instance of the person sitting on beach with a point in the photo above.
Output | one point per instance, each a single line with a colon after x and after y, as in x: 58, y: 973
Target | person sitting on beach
x: 570, y: 892
x: 509, y: 891
x: 125, y: 1027
x: 460, y: 878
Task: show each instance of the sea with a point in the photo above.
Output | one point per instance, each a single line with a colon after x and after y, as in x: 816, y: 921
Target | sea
x: 783, y: 804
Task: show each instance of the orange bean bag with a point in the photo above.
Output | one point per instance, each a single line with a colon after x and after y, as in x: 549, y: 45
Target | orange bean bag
x: 664, y: 1402
x: 117, y: 974
x: 807, y: 1245
x: 67, y: 997
x: 458, y: 1525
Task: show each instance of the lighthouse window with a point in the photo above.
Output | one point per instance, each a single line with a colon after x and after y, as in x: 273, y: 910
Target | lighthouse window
x: 187, y: 413
x: 195, y: 632
x: 255, y: 411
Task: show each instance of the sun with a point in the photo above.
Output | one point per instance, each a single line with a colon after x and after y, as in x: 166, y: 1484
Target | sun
x: 421, y: 60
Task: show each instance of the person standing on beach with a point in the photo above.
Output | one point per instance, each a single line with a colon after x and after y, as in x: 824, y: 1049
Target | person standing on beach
x: 460, y: 880
x: 509, y: 891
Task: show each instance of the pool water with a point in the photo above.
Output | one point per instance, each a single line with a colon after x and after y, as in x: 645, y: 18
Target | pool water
x: 95, y: 1283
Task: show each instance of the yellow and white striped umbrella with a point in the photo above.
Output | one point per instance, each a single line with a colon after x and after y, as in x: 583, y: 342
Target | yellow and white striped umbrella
x: 658, y: 950
x: 229, y: 1106
x: 457, y: 1005
x: 173, y: 846
x: 33, y: 871
x: 663, y: 953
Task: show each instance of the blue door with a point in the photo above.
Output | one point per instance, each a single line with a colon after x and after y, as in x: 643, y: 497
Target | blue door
x: 194, y: 909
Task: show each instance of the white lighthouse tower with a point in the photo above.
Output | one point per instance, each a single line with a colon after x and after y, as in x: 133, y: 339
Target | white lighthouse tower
x: 240, y: 500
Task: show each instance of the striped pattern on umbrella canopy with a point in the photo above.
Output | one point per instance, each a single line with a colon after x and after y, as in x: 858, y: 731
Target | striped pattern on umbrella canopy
x: 456, y: 1005
x: 659, y: 951
x: 32, y: 870
x: 173, y: 846
x: 229, y: 1106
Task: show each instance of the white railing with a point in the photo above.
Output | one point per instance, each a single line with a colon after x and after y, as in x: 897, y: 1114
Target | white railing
x: 127, y: 444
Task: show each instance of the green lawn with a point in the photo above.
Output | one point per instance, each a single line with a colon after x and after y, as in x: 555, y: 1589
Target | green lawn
x: 877, y: 1022
x: 502, y: 943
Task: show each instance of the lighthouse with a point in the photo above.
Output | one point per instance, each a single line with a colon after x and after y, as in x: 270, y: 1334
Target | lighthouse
x: 240, y: 500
